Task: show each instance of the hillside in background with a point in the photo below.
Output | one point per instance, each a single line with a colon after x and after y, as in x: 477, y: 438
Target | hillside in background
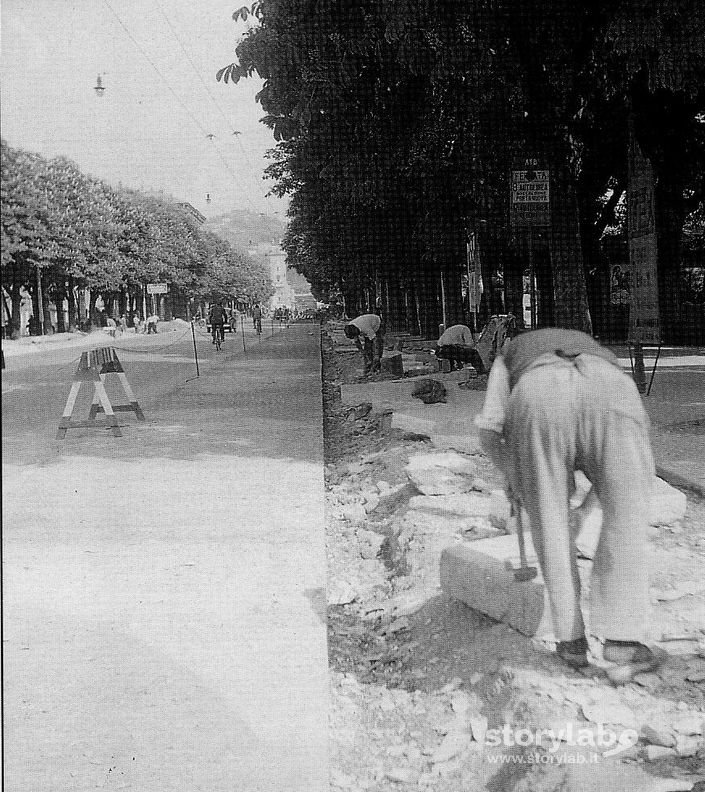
x: 247, y: 230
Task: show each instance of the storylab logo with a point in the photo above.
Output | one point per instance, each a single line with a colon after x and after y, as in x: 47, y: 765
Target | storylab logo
x: 600, y: 739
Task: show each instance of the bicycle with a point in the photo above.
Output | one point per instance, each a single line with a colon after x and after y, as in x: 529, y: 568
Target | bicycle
x: 218, y: 336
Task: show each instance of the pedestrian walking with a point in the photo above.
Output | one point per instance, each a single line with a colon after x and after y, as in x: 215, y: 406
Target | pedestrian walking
x: 457, y: 345
x: 152, y: 321
x: 111, y: 324
x: 558, y: 402
x: 369, y: 328
x: 257, y: 318
x: 123, y: 324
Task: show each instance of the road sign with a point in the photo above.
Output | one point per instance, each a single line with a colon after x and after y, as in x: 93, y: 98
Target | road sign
x: 530, y: 194
x: 157, y: 288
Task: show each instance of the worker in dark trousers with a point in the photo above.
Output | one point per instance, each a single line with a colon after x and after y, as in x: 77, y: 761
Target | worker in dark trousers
x: 368, y: 327
x: 558, y: 402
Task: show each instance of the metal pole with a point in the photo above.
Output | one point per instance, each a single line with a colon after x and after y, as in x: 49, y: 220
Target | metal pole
x: 443, y: 301
x: 532, y: 279
x: 195, y: 351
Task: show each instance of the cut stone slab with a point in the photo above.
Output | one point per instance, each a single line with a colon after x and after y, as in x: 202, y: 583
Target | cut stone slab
x: 476, y: 573
x: 446, y: 473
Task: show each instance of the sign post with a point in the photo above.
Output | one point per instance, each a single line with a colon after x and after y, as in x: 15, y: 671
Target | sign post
x: 529, y: 207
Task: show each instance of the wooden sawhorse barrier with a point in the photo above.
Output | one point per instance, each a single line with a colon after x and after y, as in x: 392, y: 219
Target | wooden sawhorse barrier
x: 94, y: 367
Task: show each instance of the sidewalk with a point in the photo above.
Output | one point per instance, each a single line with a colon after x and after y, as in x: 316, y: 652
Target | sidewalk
x: 676, y: 407
x: 28, y: 345
x: 164, y: 592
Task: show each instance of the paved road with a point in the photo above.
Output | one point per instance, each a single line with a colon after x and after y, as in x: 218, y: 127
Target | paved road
x: 164, y: 592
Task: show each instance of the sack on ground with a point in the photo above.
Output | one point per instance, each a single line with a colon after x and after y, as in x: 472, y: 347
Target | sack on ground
x: 430, y: 391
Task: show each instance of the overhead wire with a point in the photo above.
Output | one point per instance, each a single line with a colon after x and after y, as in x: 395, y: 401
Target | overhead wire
x: 190, y: 114
x: 208, y: 90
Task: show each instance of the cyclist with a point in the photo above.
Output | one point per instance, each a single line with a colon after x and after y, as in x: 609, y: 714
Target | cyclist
x: 217, y: 318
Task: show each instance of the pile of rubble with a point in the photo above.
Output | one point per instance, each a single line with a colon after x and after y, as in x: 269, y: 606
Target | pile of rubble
x: 422, y: 685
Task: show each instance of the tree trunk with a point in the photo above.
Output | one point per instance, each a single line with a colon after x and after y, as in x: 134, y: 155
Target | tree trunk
x: 670, y: 216
x: 569, y: 291
x: 46, y: 307
x: 491, y: 248
x: 71, y: 297
x: 59, y: 298
x: 16, y: 303
x: 93, y: 311
x: 514, y: 286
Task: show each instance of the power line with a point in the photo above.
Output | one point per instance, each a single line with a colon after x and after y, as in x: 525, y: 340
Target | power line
x: 193, y: 118
x: 206, y: 87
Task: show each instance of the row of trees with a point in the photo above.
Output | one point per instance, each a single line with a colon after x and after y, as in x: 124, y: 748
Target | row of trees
x: 63, y: 232
x: 398, y: 124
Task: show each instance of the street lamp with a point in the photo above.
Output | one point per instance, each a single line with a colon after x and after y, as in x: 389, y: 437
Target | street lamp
x: 99, y: 88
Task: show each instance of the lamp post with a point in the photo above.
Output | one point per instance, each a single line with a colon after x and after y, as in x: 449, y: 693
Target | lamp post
x: 99, y: 88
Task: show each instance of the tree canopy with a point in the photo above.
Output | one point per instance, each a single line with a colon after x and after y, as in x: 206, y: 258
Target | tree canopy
x: 398, y: 123
x: 74, y: 231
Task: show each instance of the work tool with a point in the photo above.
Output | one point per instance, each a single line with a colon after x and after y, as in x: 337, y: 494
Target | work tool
x: 525, y: 572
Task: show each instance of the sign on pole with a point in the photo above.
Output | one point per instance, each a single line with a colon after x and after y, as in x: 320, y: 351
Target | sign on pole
x: 157, y: 288
x: 529, y: 194
x: 644, y: 323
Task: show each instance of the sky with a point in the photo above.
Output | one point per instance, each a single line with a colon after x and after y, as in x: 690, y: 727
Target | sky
x: 163, y: 122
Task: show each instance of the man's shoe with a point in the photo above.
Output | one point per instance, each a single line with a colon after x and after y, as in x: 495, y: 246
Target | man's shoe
x: 574, y: 653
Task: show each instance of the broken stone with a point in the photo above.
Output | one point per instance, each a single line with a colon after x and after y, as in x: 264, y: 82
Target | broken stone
x: 460, y: 702
x: 478, y: 726
x: 371, y: 503
x: 689, y: 724
x: 401, y: 775
x: 688, y: 746
x: 410, y: 423
x: 452, y: 745
x: 667, y: 505
x: 679, y: 590
x: 449, y: 687
x: 656, y: 752
x: 609, y: 713
x: 469, y: 504
x: 649, y: 680
x: 341, y: 592
x: 355, y: 513
x: 391, y: 498
x: 399, y: 624
x: 499, y: 509
x: 658, y: 736
x: 441, y: 474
